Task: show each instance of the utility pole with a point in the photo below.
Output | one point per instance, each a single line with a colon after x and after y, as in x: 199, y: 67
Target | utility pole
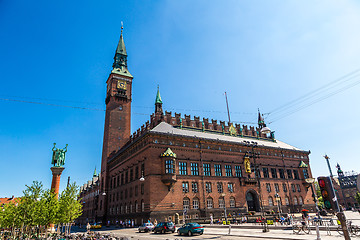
x: 328, y: 163
x: 227, y: 105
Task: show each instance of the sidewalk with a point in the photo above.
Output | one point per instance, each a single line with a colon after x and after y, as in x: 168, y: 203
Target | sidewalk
x: 272, y: 234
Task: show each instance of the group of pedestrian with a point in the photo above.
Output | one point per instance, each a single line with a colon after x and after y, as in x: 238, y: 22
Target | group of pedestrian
x: 127, y: 223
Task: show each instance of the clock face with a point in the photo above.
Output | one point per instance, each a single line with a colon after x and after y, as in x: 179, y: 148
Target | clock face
x: 121, y: 85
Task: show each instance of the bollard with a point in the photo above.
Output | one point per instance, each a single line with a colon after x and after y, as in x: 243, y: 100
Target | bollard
x: 229, y: 229
x: 317, y: 232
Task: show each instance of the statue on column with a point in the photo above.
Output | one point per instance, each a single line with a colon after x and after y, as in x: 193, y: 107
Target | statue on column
x: 58, y: 158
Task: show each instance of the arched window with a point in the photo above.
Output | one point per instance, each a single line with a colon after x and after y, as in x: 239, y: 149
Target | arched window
x: 131, y: 208
x: 232, y: 202
x: 136, y: 206
x: 209, y: 202
x: 142, y: 206
x: 271, y: 202
x: 195, y: 203
x: 126, y: 209
x: 186, y: 203
x: 300, y: 200
x: 221, y: 202
x: 121, y: 209
x: 295, y: 201
x: 287, y: 202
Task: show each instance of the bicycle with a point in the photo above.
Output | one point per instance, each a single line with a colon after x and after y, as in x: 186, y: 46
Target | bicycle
x: 297, y: 228
x: 353, y: 229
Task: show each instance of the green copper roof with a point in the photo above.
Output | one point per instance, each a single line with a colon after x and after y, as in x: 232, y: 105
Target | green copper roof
x: 120, y: 58
x: 122, y: 71
x: 158, y: 97
x: 121, y: 45
x: 168, y: 153
x: 303, y: 165
x: 95, y: 174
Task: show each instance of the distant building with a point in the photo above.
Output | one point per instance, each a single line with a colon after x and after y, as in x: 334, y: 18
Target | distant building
x: 4, y: 201
x: 346, y: 188
x: 174, y: 166
x: 89, y: 194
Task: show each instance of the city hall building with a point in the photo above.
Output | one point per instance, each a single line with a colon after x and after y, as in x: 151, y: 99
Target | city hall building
x: 177, y: 166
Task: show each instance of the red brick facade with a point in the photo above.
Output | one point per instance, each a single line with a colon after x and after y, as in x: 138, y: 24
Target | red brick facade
x: 206, y: 155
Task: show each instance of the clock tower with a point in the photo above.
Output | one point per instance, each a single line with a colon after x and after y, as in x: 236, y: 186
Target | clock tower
x: 117, y: 127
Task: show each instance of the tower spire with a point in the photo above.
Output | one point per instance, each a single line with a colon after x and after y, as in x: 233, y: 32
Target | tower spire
x: 120, y: 58
x: 158, y: 102
x: 95, y: 174
x: 261, y: 122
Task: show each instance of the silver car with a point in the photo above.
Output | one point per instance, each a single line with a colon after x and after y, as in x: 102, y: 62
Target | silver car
x: 146, y: 227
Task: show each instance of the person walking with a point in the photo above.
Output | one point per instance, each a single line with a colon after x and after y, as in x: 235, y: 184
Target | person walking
x: 88, y: 227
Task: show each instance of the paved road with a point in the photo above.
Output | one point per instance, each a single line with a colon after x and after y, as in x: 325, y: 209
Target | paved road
x: 134, y: 235
x: 222, y: 234
x: 250, y: 232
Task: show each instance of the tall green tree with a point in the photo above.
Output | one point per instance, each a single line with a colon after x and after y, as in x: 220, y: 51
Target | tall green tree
x: 38, y: 208
x: 357, y: 197
x: 320, y: 200
x: 70, y: 206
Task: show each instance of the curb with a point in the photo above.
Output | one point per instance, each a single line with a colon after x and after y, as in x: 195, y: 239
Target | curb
x: 254, y: 236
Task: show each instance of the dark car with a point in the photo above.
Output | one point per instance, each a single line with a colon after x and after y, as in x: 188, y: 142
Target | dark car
x: 190, y: 229
x: 164, y: 227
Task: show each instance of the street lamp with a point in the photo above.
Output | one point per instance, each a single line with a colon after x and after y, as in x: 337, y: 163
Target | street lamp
x: 278, y: 199
x: 265, y: 130
x: 311, y: 182
x: 142, y: 178
x: 254, y: 156
x: 223, y: 197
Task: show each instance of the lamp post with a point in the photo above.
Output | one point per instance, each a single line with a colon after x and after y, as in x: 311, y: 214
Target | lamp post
x: 311, y: 182
x: 254, y: 156
x: 277, y: 198
x: 223, y: 197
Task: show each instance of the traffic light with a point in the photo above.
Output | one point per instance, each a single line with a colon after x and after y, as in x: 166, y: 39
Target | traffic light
x: 328, y: 194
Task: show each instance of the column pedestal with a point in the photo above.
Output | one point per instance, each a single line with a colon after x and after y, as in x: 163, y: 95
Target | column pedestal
x: 55, y: 184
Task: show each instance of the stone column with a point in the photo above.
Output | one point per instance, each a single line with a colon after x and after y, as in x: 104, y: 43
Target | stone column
x: 55, y: 184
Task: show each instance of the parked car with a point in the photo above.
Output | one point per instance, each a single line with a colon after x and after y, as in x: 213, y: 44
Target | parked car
x: 164, y: 227
x: 146, y: 227
x: 95, y: 226
x: 190, y: 229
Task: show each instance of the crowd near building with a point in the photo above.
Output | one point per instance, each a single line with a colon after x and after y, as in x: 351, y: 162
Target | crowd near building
x: 177, y: 166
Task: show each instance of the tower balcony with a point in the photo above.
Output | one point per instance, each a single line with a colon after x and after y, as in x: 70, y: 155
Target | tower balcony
x: 169, y: 179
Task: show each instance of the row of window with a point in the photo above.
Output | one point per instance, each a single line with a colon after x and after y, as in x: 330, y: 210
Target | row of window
x: 296, y: 201
x: 284, y: 187
x: 127, y: 208
x: 129, y: 175
x: 208, y: 187
x: 209, y: 203
x: 126, y: 193
x: 194, y: 170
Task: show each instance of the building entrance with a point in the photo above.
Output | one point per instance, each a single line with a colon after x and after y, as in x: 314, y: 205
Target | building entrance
x: 252, y: 201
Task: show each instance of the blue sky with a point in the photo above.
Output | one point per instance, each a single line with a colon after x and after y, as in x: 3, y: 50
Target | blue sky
x: 263, y: 53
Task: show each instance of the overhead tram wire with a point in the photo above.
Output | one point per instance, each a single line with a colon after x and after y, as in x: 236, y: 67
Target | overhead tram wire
x: 11, y: 98
x: 317, y: 91
x: 315, y: 101
x: 85, y: 108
